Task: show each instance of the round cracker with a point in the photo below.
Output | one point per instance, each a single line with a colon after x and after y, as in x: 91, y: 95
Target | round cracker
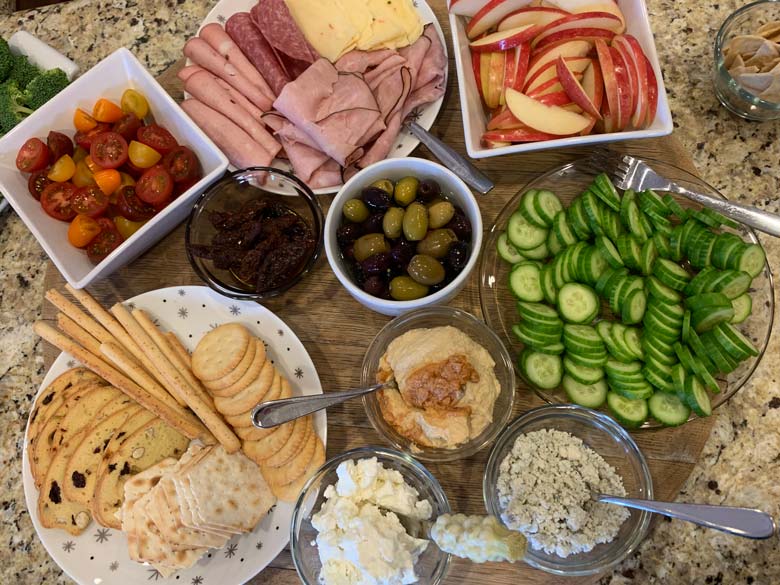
x: 255, y: 352
x: 294, y: 445
x: 291, y: 491
x: 252, y: 433
x: 252, y: 395
x: 259, y: 451
x: 220, y: 351
x: 293, y: 469
x: 243, y: 420
x: 249, y: 376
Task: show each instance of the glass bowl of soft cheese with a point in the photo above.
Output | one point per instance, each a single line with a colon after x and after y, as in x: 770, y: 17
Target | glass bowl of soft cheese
x: 364, y: 517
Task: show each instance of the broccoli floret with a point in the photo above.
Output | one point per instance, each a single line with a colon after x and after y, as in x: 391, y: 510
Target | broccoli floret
x: 43, y: 87
x: 12, y: 110
x: 23, y: 72
x: 6, y: 60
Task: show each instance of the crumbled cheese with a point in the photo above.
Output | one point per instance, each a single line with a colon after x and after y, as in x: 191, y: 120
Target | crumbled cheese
x: 544, y: 490
x: 480, y: 539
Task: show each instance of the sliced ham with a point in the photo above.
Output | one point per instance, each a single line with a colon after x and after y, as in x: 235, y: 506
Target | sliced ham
x: 274, y: 20
x: 328, y: 175
x: 431, y: 80
x: 388, y: 68
x: 283, y: 127
x: 204, y: 87
x: 204, y: 55
x: 238, y: 146
x: 382, y: 145
x: 253, y: 44
x: 221, y: 42
x: 362, y: 61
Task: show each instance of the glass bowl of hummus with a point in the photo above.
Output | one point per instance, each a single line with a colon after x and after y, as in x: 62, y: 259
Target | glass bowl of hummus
x: 365, y: 517
x: 453, y: 384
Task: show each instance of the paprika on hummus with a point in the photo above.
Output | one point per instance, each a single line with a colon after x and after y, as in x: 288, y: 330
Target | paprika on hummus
x: 446, y: 387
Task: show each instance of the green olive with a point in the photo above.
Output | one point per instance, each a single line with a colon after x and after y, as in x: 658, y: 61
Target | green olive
x: 392, y: 222
x: 437, y: 243
x: 440, y: 214
x: 355, y: 211
x: 385, y: 184
x: 406, y: 191
x: 415, y: 222
x: 403, y: 288
x: 425, y: 269
x: 370, y: 244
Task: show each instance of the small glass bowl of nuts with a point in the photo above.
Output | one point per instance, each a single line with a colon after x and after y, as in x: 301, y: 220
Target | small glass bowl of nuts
x: 402, y: 234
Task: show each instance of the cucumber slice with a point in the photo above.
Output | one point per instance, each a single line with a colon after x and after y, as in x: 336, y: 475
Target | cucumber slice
x: 610, y: 222
x: 707, y: 318
x: 704, y: 219
x: 751, y: 260
x: 671, y: 274
x: 553, y: 243
x: 685, y: 357
x: 648, y: 257
x: 723, y: 362
x: 650, y: 202
x: 700, y: 352
x: 629, y: 413
x: 719, y: 218
x: 657, y: 379
x: 591, y: 265
x: 658, y: 351
x: 633, y: 343
x: 640, y: 391
x: 525, y: 282
x: 668, y: 409
x: 697, y: 284
x: 743, y: 306
x: 507, y: 251
x: 630, y: 251
x: 584, y: 335
x: 542, y: 370
x: 725, y: 245
x: 633, y: 309
x: 662, y: 245
x: 541, y: 252
x: 701, y: 250
x: 609, y: 252
x: 686, y: 326
x: 635, y: 225
x: 701, y: 371
x: 675, y: 244
x: 661, y: 292
x: 522, y: 234
x: 711, y: 300
x: 660, y: 223
x: 577, y: 303
x: 742, y: 342
x: 606, y: 191
x: 549, y: 290
x: 563, y: 230
x: 529, y: 211
x: 734, y: 284
x: 547, y: 206
x: 578, y: 220
x: 590, y: 203
x: 696, y: 396
x: 538, y: 312
x: 587, y: 395
x: 583, y: 374
x: 678, y: 381
x: 552, y: 349
x: 675, y: 207
x: 532, y: 337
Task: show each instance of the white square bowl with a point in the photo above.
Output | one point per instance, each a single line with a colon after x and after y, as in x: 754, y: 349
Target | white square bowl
x: 475, y: 119
x: 109, y: 79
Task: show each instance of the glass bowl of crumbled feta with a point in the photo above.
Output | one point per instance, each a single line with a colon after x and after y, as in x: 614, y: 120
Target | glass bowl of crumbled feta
x: 540, y: 478
x: 365, y: 517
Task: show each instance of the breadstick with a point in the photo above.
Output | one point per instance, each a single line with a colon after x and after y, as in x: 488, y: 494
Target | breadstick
x: 125, y: 363
x: 70, y: 327
x: 179, y: 348
x: 176, y: 381
x: 137, y: 333
x: 162, y: 342
x: 179, y: 418
x: 84, y: 321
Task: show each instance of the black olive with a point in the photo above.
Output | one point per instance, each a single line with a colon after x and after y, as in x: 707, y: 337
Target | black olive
x: 376, y: 264
x: 349, y: 252
x: 428, y: 189
x: 347, y: 233
x: 460, y: 224
x: 457, y: 257
x: 437, y: 287
x: 373, y: 225
x: 375, y: 285
x: 377, y: 200
x: 402, y: 253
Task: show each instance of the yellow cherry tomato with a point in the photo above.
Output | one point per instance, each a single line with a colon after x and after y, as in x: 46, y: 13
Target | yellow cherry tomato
x: 91, y: 164
x: 83, y: 121
x: 108, y: 180
x: 106, y: 111
x: 142, y: 156
x: 82, y: 230
x: 83, y: 176
x: 80, y: 154
x: 125, y: 180
x: 134, y: 102
x: 62, y: 170
x: 126, y: 227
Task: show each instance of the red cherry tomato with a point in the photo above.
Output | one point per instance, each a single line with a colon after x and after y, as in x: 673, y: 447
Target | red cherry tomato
x: 56, y: 200
x: 90, y: 201
x: 183, y: 186
x: 158, y: 138
x: 33, y: 156
x: 84, y: 139
x: 182, y: 164
x: 109, y: 150
x: 131, y: 207
x: 133, y: 170
x: 108, y: 240
x: 59, y: 145
x: 155, y: 186
x: 128, y: 126
x: 38, y: 182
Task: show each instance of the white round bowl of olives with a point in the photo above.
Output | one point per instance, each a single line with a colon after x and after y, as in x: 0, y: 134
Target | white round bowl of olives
x: 402, y: 234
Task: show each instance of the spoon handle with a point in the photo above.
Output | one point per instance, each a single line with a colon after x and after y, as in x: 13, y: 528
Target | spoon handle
x: 745, y: 522
x: 277, y: 412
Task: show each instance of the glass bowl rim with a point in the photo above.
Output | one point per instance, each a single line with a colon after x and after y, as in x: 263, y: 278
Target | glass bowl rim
x: 234, y: 176
x: 467, y: 449
x: 593, y: 419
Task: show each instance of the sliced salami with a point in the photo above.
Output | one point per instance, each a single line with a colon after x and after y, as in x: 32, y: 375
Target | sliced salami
x: 252, y: 43
x: 274, y: 20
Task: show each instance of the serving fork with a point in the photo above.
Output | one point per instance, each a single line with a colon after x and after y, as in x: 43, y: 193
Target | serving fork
x: 633, y: 173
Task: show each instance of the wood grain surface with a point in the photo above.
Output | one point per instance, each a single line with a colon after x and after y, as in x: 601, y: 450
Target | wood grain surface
x: 336, y: 330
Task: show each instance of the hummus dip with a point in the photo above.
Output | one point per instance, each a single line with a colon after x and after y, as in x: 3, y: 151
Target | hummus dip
x: 446, y: 387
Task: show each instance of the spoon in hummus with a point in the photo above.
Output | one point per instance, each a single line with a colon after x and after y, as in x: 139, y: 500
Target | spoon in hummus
x: 276, y: 412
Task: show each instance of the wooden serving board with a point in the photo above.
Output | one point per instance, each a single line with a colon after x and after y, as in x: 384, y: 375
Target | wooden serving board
x: 336, y: 330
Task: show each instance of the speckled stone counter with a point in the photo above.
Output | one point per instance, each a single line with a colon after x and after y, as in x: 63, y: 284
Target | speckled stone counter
x: 741, y: 462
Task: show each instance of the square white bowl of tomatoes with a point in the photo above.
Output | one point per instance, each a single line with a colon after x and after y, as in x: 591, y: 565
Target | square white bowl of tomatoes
x: 106, y: 169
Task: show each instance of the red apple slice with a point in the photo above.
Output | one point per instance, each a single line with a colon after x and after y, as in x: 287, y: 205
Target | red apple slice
x: 552, y: 86
x: 504, y: 119
x: 568, y: 49
x: 578, y: 6
x: 467, y: 7
x: 615, y: 96
x: 607, y: 124
x: 623, y: 115
x: 556, y: 98
x: 590, y: 127
x: 547, y: 119
x: 593, y: 84
x: 573, y: 88
x: 522, y: 58
x: 524, y: 134
x: 491, y: 14
x: 504, y: 40
x: 494, y: 143
x: 484, y: 76
x: 595, y: 20
x: 476, y: 69
x: 625, y: 53
x: 582, y: 34
x: 509, y: 73
x: 538, y: 15
x: 635, y: 57
x: 543, y: 75
x: 495, y: 79
x: 652, y: 93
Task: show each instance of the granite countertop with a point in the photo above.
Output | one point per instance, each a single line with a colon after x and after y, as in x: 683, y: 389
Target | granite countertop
x: 740, y: 464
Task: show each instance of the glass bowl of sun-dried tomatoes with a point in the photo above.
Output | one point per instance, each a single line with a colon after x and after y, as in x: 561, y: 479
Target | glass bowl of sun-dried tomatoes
x: 255, y: 233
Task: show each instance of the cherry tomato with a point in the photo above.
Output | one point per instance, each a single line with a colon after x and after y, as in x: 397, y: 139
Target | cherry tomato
x: 59, y: 144
x: 128, y: 126
x: 82, y: 121
x: 155, y: 186
x: 105, y: 242
x: 91, y: 165
x: 33, y: 156
x: 106, y: 111
x: 134, y: 102
x: 84, y: 139
x: 158, y: 138
x: 133, y: 170
x: 131, y: 207
x: 79, y: 154
x: 183, y: 186
x: 37, y: 183
x: 82, y: 230
x: 56, y: 200
x: 83, y: 176
x: 108, y: 180
x: 62, y: 170
x: 182, y: 164
x: 143, y: 156
x: 90, y: 201
x: 109, y: 150
x: 126, y: 227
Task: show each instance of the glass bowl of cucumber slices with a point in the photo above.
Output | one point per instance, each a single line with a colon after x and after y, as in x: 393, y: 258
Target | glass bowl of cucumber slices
x: 643, y: 304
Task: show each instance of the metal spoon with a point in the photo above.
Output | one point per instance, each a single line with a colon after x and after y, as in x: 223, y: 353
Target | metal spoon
x: 746, y: 522
x: 276, y: 412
